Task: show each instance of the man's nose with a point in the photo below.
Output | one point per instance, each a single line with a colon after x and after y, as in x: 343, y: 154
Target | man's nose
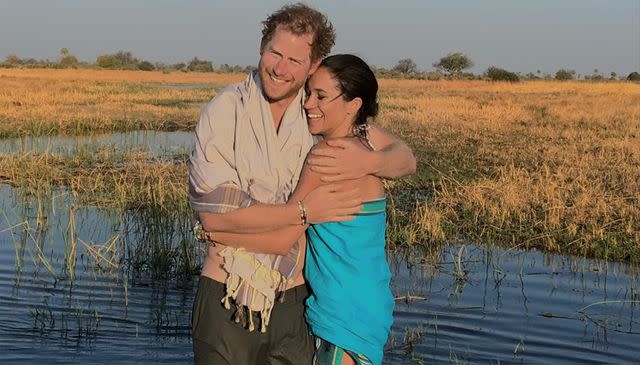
x: 280, y: 67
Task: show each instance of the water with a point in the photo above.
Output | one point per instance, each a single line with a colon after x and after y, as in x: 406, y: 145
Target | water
x: 157, y: 142
x: 516, y: 307
x: 513, y: 306
x: 114, y: 307
x: 94, y: 310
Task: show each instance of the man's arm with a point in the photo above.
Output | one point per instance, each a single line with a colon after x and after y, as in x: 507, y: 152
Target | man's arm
x: 347, y: 158
x: 328, y: 203
x: 280, y: 241
x: 323, y: 203
x: 212, y: 165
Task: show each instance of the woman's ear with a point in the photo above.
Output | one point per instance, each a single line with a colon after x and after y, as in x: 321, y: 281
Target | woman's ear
x: 354, y: 105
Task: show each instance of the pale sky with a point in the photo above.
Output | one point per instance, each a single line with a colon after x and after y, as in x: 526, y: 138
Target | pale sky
x: 522, y: 36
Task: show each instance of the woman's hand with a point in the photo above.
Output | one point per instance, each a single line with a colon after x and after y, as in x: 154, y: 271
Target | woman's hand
x: 343, y: 159
x: 331, y: 203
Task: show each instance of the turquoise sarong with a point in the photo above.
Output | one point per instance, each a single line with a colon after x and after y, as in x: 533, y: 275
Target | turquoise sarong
x: 351, y: 304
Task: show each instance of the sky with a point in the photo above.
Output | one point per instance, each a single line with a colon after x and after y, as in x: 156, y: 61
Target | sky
x: 518, y: 35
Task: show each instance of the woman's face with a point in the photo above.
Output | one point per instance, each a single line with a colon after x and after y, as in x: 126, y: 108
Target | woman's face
x: 328, y: 114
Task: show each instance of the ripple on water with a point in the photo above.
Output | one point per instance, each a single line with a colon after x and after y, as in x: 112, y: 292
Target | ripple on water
x: 518, y: 301
x: 513, y: 306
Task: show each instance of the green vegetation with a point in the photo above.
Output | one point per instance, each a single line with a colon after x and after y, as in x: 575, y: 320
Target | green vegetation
x: 121, y: 60
x: 634, y: 76
x: 454, y: 63
x: 498, y: 74
x: 149, y: 194
x: 564, y: 75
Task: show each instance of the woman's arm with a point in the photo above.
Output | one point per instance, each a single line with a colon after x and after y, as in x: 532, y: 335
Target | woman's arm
x: 279, y: 241
x: 253, y: 219
x: 327, y: 203
x: 347, y: 158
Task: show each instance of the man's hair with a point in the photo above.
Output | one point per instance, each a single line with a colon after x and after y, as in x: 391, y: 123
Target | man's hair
x: 301, y: 19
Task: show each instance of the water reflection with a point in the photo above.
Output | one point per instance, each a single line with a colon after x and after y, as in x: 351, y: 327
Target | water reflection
x: 158, y: 143
x: 514, y: 306
x: 83, y: 284
x: 103, y: 302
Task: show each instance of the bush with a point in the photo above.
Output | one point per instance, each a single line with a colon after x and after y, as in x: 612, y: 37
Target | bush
x: 433, y: 76
x: 146, y: 66
x: 405, y: 66
x: 634, y: 76
x: 564, y: 75
x: 69, y: 61
x: 197, y: 65
x: 12, y: 61
x: 498, y: 74
x: 119, y: 61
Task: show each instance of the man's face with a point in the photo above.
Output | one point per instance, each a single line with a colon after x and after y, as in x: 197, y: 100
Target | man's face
x: 285, y: 64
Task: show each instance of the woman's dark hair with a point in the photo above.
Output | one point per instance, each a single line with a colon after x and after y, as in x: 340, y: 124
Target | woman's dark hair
x: 356, y: 80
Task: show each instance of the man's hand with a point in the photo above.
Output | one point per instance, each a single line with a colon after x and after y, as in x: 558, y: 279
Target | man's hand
x: 343, y: 159
x: 329, y: 203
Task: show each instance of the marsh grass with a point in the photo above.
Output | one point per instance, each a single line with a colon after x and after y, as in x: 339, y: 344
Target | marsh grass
x: 147, y: 194
x: 102, y: 177
x: 539, y: 164
x: 547, y: 165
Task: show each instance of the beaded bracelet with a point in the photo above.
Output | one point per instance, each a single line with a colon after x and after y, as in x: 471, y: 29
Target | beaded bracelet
x: 303, y: 213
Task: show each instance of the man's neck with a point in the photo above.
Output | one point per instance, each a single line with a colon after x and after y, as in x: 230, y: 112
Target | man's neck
x: 278, y: 108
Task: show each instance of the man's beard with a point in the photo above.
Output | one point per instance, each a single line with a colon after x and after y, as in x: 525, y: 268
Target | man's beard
x: 294, y: 88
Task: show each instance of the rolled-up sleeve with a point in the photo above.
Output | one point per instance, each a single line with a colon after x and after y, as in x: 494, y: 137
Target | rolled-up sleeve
x: 212, y: 162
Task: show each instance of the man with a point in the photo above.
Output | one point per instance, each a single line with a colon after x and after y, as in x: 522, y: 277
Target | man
x: 252, y: 141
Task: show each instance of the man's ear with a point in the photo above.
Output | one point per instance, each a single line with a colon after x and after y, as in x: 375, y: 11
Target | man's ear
x: 314, y: 66
x: 355, y: 105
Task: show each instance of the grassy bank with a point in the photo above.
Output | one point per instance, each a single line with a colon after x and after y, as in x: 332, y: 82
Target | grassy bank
x: 540, y: 164
x: 103, y: 178
x: 546, y: 165
x: 51, y: 102
x: 145, y: 195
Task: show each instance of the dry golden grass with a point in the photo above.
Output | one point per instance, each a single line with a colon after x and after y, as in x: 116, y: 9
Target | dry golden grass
x: 546, y: 164
x: 47, y: 102
x: 105, y: 178
x: 535, y: 164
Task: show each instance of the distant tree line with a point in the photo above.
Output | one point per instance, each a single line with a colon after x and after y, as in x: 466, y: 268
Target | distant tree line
x: 451, y: 66
x: 121, y: 60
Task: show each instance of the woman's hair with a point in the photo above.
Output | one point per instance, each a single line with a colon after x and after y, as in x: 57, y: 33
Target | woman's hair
x: 301, y: 19
x: 355, y: 80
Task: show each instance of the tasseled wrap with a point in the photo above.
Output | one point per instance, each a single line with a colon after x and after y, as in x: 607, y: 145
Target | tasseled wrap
x: 248, y: 277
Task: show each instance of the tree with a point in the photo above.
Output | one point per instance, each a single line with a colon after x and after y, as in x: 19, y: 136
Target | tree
x: 119, y: 61
x: 198, y: 65
x: 406, y: 66
x: 67, y: 60
x: 498, y: 74
x: 454, y: 63
x: 563, y: 74
x: 12, y: 61
x: 146, y: 66
x: 634, y: 76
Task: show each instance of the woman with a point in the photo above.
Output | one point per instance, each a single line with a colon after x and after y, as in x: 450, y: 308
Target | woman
x: 350, y: 310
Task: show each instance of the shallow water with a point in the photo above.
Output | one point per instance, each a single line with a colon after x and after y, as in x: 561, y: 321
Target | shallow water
x: 513, y: 306
x: 114, y: 307
x: 157, y: 142
x: 516, y: 307
x: 92, y: 312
